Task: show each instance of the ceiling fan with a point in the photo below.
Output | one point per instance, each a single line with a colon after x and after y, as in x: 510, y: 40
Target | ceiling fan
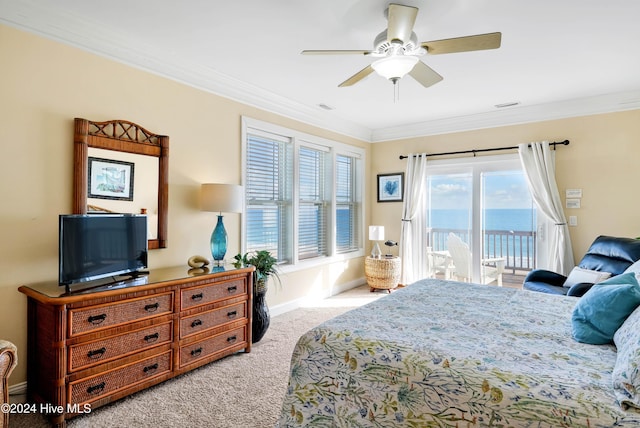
x: 399, y: 50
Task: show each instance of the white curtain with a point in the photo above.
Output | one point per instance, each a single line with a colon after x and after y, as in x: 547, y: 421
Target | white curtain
x: 538, y: 163
x: 413, y: 239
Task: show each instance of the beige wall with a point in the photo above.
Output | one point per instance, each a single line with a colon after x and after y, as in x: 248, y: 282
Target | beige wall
x: 44, y: 85
x: 602, y: 160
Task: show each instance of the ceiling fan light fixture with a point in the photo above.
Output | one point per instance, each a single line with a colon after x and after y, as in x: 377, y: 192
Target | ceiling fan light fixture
x: 394, y: 67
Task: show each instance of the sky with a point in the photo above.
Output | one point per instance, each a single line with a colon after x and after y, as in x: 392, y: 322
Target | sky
x: 502, y: 190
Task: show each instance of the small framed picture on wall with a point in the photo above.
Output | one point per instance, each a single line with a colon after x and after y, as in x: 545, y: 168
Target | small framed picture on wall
x: 391, y: 187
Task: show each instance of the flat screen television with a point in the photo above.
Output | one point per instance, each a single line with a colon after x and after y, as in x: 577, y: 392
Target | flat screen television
x: 96, y: 246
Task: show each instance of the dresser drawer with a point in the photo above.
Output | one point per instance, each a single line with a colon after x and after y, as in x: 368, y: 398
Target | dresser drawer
x: 84, y: 355
x: 206, y: 320
x: 92, y: 388
x: 94, y: 318
x: 196, y: 296
x: 204, y: 348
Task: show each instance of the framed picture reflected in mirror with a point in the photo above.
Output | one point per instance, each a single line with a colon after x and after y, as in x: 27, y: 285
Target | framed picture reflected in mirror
x: 110, y: 179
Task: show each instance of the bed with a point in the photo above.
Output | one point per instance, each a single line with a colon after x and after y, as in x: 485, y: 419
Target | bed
x: 449, y: 354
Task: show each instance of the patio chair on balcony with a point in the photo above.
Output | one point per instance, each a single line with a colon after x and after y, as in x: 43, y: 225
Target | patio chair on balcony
x: 439, y: 263
x: 490, y: 269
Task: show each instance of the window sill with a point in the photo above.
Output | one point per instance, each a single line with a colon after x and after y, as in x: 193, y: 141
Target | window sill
x: 321, y: 261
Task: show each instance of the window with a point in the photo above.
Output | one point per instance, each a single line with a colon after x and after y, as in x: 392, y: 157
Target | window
x: 347, y: 206
x: 268, y: 173
x: 313, y: 207
x: 302, y: 194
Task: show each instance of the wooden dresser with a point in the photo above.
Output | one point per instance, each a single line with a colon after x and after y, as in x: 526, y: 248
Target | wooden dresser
x: 90, y: 347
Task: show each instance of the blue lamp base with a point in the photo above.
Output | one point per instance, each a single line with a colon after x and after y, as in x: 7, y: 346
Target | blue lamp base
x: 219, y: 242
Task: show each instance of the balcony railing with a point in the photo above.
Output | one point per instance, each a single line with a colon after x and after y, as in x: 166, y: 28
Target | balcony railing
x: 517, y: 247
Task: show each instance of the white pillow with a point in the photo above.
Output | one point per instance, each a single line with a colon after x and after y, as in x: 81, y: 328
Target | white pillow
x: 635, y: 268
x: 579, y: 275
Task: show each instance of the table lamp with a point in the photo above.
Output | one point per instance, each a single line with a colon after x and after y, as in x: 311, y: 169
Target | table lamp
x: 376, y: 233
x: 220, y: 198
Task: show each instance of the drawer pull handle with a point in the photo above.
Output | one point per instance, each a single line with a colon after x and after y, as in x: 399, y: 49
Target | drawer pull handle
x: 196, y: 323
x: 152, y: 307
x: 231, y: 339
x: 232, y: 289
x: 150, y: 368
x: 97, y: 319
x: 197, y: 297
x: 196, y: 352
x: 96, y: 353
x: 232, y: 314
x: 151, y: 337
x: 96, y: 388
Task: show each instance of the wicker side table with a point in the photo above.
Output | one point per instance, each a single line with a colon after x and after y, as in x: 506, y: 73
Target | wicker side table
x: 382, y: 273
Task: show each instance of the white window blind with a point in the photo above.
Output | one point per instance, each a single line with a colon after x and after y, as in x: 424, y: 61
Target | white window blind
x: 348, y: 223
x: 268, y: 195
x: 312, y: 203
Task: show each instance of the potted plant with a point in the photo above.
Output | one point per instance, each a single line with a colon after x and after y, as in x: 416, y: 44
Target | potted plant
x: 266, y: 266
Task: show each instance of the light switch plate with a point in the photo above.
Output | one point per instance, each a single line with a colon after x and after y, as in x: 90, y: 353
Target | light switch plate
x: 573, y: 220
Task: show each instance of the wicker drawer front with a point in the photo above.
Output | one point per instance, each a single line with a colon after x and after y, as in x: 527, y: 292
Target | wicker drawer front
x: 204, y: 348
x: 98, y: 317
x: 90, y: 389
x: 206, y: 320
x: 88, y: 354
x: 196, y: 296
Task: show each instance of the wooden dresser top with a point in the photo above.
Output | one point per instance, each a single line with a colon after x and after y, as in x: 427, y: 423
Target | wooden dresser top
x: 52, y: 293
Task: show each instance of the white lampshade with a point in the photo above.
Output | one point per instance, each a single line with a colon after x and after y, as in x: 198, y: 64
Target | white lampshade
x: 221, y: 198
x: 394, y: 67
x: 376, y: 233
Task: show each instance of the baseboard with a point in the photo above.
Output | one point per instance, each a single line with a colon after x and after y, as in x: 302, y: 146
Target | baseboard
x: 303, y: 301
x: 18, y: 392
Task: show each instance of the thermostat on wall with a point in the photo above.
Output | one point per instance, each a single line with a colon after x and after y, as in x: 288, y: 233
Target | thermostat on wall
x: 573, y: 193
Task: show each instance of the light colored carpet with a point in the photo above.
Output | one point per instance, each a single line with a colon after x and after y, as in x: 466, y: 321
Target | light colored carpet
x: 242, y: 390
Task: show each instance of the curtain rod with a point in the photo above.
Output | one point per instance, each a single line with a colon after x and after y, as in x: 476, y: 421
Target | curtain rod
x: 554, y: 144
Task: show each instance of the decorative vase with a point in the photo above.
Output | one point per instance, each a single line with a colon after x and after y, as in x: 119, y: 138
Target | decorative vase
x: 219, y: 241
x: 261, y: 318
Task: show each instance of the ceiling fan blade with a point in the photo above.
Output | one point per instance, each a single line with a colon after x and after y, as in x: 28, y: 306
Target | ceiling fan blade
x: 464, y: 44
x: 424, y: 74
x: 336, y: 52
x: 357, y: 77
x: 401, y: 20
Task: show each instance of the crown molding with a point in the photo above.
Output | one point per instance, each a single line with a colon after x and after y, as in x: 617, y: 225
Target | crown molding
x: 608, y: 103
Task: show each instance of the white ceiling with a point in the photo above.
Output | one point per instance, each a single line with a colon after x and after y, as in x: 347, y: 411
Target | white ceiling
x: 557, y: 59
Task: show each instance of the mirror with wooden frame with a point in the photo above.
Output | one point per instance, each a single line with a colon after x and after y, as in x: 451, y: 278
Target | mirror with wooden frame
x: 109, y: 158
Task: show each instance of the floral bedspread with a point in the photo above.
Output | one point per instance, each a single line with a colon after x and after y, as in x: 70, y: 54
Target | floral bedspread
x: 449, y: 354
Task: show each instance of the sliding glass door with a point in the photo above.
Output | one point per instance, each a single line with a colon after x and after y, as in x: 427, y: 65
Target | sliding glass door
x: 485, y: 203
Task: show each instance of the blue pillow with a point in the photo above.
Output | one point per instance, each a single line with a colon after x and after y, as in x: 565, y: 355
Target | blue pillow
x: 602, y: 310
